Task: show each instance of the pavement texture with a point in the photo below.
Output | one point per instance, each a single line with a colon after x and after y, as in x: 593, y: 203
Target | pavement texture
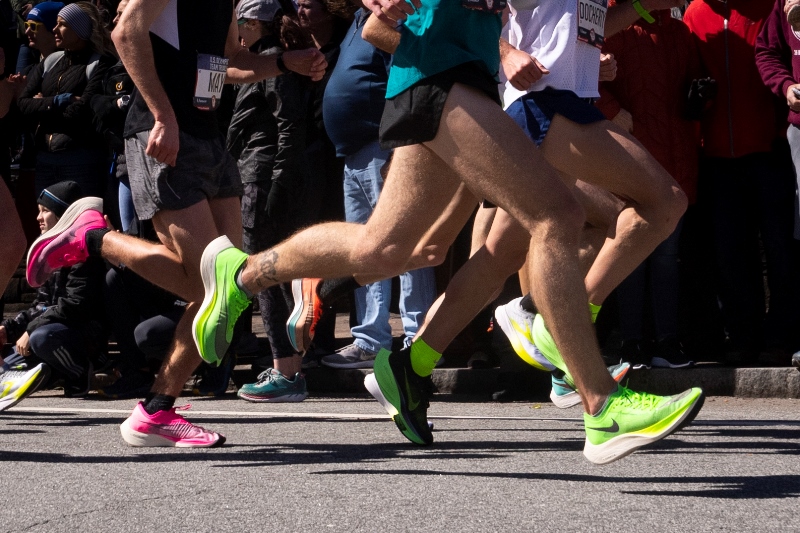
x: 338, y: 464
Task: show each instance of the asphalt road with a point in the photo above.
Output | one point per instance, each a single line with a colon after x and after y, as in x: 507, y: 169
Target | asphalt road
x: 338, y: 464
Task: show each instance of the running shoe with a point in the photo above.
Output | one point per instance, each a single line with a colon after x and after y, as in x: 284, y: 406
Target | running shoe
x: 166, y: 428
x: 637, y: 353
x: 670, y: 354
x: 224, y: 302
x: 796, y: 360
x: 307, y: 311
x: 131, y: 384
x: 518, y: 325
x: 273, y: 386
x: 65, y: 243
x: 563, y: 395
x: 18, y: 382
x: 351, y: 356
x: 403, y: 393
x: 213, y: 380
x: 630, y: 420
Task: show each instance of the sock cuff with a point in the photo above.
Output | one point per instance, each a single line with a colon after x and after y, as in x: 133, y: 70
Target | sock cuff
x: 594, y: 310
x: 423, y: 357
x: 94, y: 241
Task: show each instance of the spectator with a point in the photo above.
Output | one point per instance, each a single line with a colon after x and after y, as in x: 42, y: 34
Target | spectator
x: 267, y: 136
x: 662, y: 57
x: 64, y: 326
x: 745, y: 184
x: 56, y: 102
x: 352, y: 108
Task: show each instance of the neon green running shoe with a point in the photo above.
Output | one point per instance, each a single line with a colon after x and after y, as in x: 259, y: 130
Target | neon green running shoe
x: 631, y: 420
x: 517, y: 324
x: 212, y: 327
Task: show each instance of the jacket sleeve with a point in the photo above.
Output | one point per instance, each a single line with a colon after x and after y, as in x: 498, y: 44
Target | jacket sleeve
x: 773, y: 53
x: 81, y: 110
x: 16, y: 326
x: 289, y: 112
x: 33, y: 108
x: 82, y: 297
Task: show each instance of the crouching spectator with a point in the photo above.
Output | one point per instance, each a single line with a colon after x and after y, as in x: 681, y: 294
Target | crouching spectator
x: 64, y: 326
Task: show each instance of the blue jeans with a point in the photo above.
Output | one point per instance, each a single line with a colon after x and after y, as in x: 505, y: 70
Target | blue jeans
x: 362, y: 186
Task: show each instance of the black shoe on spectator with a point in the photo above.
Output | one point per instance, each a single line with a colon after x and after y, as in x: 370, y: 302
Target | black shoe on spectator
x: 131, y: 384
x: 214, y: 380
x: 670, y: 354
x: 632, y: 353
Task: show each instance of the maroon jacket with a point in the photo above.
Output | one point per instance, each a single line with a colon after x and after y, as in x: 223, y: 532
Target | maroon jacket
x: 778, y: 55
x: 743, y: 118
x: 655, y: 66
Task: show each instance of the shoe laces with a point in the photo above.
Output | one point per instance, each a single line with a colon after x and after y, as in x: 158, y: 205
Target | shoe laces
x: 642, y: 400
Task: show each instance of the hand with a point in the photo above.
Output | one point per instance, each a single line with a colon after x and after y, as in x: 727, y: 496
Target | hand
x: 521, y: 69
x: 792, y: 99
x: 656, y: 5
x: 309, y: 62
x: 624, y: 120
x: 164, y: 142
x: 392, y: 11
x: 24, y: 345
x: 608, y: 67
x: 789, y: 4
x: 3, y: 335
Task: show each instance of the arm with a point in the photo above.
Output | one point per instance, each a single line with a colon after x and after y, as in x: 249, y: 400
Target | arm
x: 82, y: 298
x: 380, y: 35
x: 246, y: 67
x: 774, y: 58
x: 521, y: 69
x: 391, y: 11
x: 620, y: 17
x: 132, y: 39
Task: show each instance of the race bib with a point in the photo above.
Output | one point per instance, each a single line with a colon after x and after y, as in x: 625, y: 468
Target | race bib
x: 592, y: 21
x: 490, y: 6
x: 210, y: 80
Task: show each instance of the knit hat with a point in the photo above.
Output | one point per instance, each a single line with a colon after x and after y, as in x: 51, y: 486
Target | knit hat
x: 58, y: 197
x: 263, y: 10
x: 46, y: 13
x: 77, y: 20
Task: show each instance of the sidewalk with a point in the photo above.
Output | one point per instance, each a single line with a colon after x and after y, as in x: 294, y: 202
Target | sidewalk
x: 478, y: 385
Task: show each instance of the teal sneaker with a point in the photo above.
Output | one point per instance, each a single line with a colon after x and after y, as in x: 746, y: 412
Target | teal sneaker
x: 630, y: 420
x: 564, y: 396
x: 273, y: 386
x: 224, y: 302
x: 518, y: 324
x: 403, y: 393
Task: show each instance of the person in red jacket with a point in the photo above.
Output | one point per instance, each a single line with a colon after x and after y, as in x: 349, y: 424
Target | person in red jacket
x: 744, y: 183
x: 656, y: 62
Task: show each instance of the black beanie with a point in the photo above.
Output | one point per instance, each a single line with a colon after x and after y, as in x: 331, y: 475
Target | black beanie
x: 58, y: 197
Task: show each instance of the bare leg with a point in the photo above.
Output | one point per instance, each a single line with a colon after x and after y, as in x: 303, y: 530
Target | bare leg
x: 14, y: 243
x: 498, y: 162
x: 607, y: 156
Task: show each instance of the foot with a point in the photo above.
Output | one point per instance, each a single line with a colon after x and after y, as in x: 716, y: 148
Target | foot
x: 65, y: 243
x: 563, y: 395
x: 403, y: 393
x: 630, y: 420
x: 273, y: 386
x: 517, y: 324
x: 18, y: 382
x: 214, y: 381
x: 796, y: 360
x: 307, y: 311
x: 166, y: 428
x: 224, y: 302
x: 351, y: 356
x: 670, y: 354
x: 131, y: 384
x: 635, y: 354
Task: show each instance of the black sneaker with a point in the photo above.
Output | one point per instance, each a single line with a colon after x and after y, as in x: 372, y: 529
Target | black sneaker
x: 214, y: 380
x: 670, y: 354
x: 632, y: 353
x: 403, y: 393
x: 131, y: 384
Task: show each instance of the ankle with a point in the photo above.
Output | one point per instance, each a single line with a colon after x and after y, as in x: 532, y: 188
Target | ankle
x: 94, y: 241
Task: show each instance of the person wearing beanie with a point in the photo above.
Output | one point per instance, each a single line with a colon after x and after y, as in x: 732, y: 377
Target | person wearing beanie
x: 64, y: 327
x: 55, y: 103
x: 39, y: 28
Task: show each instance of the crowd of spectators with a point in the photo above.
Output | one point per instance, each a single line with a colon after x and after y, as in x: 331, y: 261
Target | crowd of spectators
x: 709, y: 91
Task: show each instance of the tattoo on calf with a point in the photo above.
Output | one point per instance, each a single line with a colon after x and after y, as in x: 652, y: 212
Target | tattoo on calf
x: 267, y: 269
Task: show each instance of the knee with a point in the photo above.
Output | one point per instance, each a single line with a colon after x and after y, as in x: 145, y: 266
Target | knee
x: 668, y: 210
x: 562, y: 220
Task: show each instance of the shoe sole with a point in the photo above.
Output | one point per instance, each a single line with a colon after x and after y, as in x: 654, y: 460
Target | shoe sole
x: 137, y: 439
x: 659, y: 362
x: 624, y: 445
x: 33, y: 272
x: 390, y: 391
x: 32, y: 385
x: 208, y: 273
x: 287, y: 398
x: 516, y: 343
x: 360, y: 364
x: 299, y: 337
x: 565, y: 401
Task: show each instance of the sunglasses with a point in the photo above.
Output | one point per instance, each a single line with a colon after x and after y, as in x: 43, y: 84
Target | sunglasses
x: 33, y: 25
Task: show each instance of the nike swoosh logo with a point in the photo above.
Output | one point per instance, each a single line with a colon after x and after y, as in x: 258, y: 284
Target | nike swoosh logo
x: 413, y: 403
x: 613, y: 428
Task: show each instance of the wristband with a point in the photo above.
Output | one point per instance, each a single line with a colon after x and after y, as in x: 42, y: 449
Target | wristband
x: 281, y: 64
x: 645, y: 14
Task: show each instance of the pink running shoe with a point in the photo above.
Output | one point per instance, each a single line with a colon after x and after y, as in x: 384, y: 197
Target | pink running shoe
x: 65, y: 243
x: 166, y: 428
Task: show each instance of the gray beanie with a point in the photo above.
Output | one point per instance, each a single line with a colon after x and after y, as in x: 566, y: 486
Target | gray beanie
x: 78, y: 21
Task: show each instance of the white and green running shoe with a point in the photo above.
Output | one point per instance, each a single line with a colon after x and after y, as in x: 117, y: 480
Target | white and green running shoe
x: 19, y: 382
x: 563, y: 395
x: 518, y: 324
x: 630, y: 420
x: 224, y: 302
